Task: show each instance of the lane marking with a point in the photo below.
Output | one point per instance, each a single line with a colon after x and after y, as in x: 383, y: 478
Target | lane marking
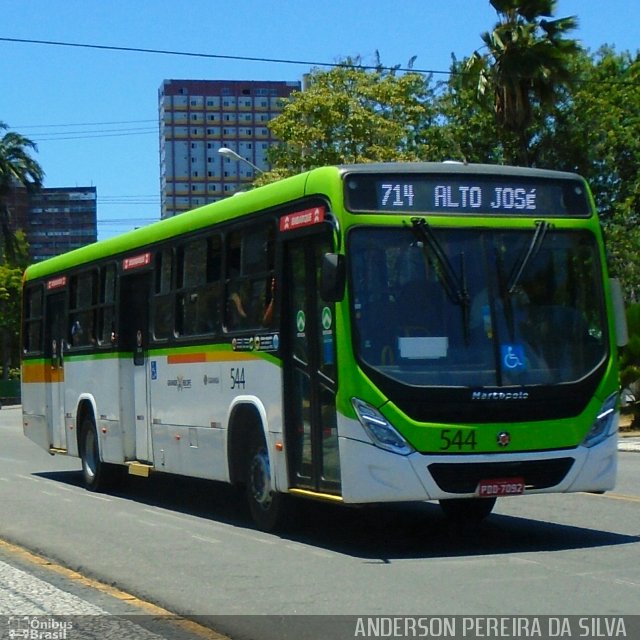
x: 204, y: 539
x: 29, y: 478
x: 615, y: 496
x: 95, y: 497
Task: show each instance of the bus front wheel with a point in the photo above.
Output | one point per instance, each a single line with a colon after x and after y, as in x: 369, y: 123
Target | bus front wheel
x: 467, y: 509
x: 268, y: 508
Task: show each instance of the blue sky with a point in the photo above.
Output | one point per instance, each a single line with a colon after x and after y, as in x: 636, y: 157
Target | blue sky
x: 45, y: 86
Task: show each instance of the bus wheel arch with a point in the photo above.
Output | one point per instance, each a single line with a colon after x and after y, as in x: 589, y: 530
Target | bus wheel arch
x: 250, y: 467
x: 98, y: 476
x: 244, y: 421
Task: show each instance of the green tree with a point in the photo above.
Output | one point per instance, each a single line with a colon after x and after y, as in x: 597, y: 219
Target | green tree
x: 630, y: 357
x: 354, y: 114
x: 17, y: 169
x: 469, y: 131
x: 527, y: 61
x: 10, y: 304
x: 596, y: 132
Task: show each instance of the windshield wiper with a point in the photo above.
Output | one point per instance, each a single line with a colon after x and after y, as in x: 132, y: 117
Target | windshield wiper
x: 542, y: 226
x: 455, y: 288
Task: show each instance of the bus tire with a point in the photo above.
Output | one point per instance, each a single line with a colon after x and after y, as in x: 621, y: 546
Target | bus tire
x: 467, y: 510
x: 268, y: 508
x: 98, y: 475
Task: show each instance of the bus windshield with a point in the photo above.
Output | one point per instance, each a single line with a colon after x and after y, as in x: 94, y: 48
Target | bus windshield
x: 444, y: 307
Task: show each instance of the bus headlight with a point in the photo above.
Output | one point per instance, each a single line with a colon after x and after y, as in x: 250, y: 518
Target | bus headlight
x: 604, y: 424
x: 379, y: 429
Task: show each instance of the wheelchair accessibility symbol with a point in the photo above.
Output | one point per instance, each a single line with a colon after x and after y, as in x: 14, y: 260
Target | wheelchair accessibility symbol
x: 513, y: 357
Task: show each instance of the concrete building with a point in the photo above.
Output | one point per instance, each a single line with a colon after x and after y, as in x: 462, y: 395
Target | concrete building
x: 60, y: 219
x: 197, y: 117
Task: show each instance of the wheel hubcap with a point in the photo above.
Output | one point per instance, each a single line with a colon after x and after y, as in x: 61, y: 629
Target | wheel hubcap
x: 90, y: 454
x: 260, y: 479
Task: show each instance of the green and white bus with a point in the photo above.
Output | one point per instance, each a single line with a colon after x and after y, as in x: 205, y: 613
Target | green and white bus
x: 360, y: 334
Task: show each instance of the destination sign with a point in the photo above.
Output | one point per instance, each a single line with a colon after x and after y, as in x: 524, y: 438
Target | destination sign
x: 466, y: 195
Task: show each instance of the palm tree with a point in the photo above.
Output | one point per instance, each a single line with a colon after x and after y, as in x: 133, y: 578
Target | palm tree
x: 17, y: 168
x: 527, y: 62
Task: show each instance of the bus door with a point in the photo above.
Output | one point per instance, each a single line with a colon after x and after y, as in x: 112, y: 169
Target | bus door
x: 55, y: 343
x: 311, y: 430
x: 135, y: 291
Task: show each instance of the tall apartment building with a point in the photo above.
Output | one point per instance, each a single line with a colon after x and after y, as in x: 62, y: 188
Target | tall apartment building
x: 197, y: 117
x: 61, y: 219
x: 55, y: 220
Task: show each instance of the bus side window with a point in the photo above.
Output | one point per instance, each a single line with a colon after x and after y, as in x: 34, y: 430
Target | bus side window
x: 250, y: 285
x: 163, y: 295
x: 33, y: 320
x: 199, y: 287
x: 106, y: 307
x: 83, y: 309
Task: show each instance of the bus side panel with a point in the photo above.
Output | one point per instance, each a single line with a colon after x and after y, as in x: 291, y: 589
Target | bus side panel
x: 42, y: 385
x: 125, y: 409
x: 192, y: 451
x: 190, y: 399
x: 94, y: 380
x: 35, y: 424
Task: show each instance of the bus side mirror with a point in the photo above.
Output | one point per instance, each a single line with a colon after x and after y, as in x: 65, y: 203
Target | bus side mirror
x: 332, y: 277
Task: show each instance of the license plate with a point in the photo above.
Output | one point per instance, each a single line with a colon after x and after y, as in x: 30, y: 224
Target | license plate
x: 500, y: 487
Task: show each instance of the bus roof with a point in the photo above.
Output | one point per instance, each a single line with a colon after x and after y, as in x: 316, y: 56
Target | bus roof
x: 271, y: 195
x: 453, y: 167
x: 243, y: 202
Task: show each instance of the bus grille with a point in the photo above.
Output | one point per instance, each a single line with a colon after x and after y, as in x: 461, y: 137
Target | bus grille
x: 464, y: 477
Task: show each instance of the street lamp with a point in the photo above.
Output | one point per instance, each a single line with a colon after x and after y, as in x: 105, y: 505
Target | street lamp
x: 230, y: 153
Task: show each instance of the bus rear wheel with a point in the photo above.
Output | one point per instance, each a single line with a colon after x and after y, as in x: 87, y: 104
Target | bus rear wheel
x: 468, y: 510
x: 98, y: 475
x: 269, y: 509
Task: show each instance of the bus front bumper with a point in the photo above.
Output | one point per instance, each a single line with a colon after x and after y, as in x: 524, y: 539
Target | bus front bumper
x: 371, y: 474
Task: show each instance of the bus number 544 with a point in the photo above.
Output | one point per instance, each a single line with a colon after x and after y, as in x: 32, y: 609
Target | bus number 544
x: 457, y: 439
x: 237, y: 377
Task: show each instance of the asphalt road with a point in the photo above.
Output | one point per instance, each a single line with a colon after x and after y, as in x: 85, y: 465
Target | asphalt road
x: 188, y: 546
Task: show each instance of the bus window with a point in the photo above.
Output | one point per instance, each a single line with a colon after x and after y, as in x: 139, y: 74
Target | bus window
x: 198, y: 297
x: 82, y: 305
x: 33, y: 320
x: 250, y: 282
x: 106, y: 309
x: 163, y: 298
x: 544, y: 329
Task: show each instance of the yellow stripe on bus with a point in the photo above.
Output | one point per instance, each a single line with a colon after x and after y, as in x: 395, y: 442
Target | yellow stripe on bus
x: 41, y: 372
x: 210, y: 356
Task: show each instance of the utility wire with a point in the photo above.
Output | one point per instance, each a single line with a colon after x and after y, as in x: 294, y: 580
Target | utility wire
x: 125, y: 221
x: 214, y: 56
x: 83, y: 124
x: 78, y: 135
x: 310, y: 63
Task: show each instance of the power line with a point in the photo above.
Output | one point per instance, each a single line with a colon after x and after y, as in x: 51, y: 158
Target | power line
x: 146, y: 196
x: 79, y: 135
x: 129, y: 203
x: 79, y: 132
x: 81, y: 124
x: 214, y: 56
x: 125, y: 221
x: 310, y: 63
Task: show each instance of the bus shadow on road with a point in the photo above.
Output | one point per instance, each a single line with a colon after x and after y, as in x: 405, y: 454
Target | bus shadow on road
x: 379, y: 533
x: 406, y: 531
